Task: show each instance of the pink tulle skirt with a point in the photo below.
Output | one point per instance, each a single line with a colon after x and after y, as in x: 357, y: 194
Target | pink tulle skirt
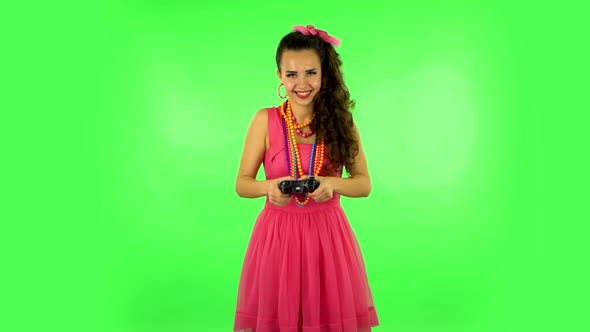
x: 304, y: 272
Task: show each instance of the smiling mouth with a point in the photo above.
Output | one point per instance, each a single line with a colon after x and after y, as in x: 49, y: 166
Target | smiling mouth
x: 303, y: 94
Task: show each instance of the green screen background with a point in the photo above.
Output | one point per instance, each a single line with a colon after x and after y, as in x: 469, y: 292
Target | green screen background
x: 123, y: 125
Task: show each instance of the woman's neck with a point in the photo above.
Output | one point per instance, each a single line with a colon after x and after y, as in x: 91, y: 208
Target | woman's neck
x: 302, y: 113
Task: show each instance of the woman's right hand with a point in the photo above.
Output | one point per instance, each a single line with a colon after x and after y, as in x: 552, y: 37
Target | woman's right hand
x: 275, y: 195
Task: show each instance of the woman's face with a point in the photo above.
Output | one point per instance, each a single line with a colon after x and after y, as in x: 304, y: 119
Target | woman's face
x: 301, y: 73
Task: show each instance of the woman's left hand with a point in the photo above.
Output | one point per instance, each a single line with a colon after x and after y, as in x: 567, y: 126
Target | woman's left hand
x: 325, y: 191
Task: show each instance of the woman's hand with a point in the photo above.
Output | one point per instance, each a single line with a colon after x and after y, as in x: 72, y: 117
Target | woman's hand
x: 325, y: 191
x: 275, y: 195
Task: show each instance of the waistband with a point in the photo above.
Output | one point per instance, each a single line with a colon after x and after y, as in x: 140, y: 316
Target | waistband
x: 311, y: 206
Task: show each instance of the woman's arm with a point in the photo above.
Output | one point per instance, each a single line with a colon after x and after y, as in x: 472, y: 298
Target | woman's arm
x: 252, y: 156
x: 254, y: 148
x: 358, y: 184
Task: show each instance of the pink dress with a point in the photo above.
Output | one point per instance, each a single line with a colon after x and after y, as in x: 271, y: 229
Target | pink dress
x: 303, y: 270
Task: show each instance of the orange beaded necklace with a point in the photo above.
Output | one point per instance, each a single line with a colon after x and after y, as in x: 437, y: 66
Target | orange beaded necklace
x: 294, y: 162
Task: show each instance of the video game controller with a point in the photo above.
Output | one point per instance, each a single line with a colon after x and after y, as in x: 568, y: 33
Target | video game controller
x: 294, y: 187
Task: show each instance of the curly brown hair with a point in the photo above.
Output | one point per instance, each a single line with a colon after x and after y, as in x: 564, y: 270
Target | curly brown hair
x: 332, y: 106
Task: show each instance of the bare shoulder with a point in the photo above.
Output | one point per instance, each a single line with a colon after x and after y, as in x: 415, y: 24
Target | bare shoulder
x: 260, y: 121
x: 355, y: 130
x: 261, y: 117
x: 254, y: 145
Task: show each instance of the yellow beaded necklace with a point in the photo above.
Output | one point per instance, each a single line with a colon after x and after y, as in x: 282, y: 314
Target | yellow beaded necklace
x: 294, y: 162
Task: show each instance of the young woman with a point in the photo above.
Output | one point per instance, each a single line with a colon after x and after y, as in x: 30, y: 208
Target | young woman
x: 303, y: 270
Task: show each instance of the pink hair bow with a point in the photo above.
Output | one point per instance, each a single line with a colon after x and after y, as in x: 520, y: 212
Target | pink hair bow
x: 310, y: 30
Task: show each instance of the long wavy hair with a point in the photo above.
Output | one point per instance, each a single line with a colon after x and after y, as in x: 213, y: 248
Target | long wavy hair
x: 332, y: 106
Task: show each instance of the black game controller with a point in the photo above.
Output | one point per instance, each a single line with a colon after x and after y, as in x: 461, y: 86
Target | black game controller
x: 295, y: 187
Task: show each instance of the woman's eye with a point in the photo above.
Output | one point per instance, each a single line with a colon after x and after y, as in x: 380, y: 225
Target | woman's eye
x: 311, y: 73
x: 290, y: 75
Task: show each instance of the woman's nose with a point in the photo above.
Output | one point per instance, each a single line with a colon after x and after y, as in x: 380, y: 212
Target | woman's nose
x: 302, y: 81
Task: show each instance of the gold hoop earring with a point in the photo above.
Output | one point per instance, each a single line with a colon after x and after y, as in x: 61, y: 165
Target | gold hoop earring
x: 280, y: 96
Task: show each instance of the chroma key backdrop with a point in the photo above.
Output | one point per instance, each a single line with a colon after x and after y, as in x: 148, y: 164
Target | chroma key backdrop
x: 124, y: 121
